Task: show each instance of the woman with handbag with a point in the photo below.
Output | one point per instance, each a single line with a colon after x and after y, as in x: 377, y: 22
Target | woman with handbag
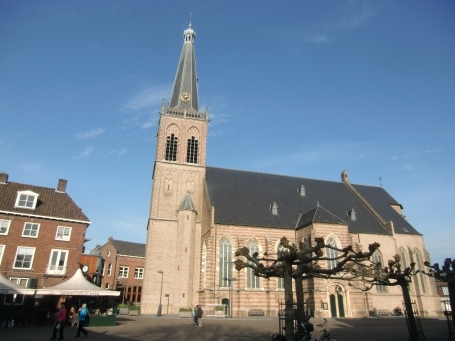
x: 60, y: 322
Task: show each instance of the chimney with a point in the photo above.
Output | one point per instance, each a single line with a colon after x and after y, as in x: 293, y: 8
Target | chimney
x: 344, y: 176
x: 110, y: 238
x: 3, y: 178
x: 61, y: 187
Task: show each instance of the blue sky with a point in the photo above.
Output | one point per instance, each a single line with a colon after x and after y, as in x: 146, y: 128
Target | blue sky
x: 302, y: 88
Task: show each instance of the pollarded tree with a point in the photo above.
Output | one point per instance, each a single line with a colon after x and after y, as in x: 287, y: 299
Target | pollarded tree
x: 295, y: 262
x: 446, y: 273
x: 373, y: 274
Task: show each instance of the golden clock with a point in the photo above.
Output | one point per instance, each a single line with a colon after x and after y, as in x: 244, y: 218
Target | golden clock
x: 185, y: 97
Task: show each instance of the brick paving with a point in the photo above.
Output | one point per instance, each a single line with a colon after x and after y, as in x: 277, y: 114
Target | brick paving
x: 169, y: 328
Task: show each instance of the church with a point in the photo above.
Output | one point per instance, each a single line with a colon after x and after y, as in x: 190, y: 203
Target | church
x: 200, y: 215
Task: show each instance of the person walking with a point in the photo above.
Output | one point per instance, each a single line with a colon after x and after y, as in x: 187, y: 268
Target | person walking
x: 60, y: 322
x: 83, y: 316
x: 34, y: 314
x: 199, y: 316
x: 195, y: 316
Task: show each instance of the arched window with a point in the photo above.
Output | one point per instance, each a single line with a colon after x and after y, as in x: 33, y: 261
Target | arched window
x: 404, y: 263
x: 331, y: 253
x: 225, y: 262
x: 420, y: 267
x: 204, y: 265
x: 280, y: 279
x: 192, y: 150
x: 251, y: 279
x: 171, y: 143
x: 376, y: 258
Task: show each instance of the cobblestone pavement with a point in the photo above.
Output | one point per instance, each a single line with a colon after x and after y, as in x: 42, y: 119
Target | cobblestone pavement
x: 169, y: 328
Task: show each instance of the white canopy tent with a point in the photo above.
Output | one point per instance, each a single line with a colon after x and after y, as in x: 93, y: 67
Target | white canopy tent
x: 77, y: 285
x: 8, y: 287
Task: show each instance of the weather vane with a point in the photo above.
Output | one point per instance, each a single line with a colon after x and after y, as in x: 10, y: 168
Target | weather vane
x: 380, y: 182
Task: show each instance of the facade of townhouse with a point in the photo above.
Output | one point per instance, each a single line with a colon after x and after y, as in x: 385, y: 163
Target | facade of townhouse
x: 42, y: 234
x: 123, y: 268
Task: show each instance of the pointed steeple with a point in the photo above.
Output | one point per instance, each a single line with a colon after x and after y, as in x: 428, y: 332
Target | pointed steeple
x: 187, y: 204
x: 184, y: 93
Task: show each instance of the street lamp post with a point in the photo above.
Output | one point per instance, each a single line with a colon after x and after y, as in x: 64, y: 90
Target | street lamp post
x: 230, y: 280
x: 158, y: 313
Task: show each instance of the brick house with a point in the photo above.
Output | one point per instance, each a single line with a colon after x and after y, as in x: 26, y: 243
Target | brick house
x: 200, y: 215
x: 42, y: 233
x: 123, y: 268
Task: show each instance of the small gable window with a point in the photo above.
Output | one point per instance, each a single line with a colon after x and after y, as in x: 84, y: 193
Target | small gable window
x: 274, y: 208
x: 26, y: 199
x: 301, y: 191
x: 351, y: 214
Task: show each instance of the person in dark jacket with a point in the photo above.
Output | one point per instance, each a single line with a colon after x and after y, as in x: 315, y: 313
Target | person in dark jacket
x: 60, y: 322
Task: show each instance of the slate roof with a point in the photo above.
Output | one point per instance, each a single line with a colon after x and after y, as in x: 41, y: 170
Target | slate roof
x: 50, y: 202
x: 187, y: 204
x: 128, y: 248
x: 244, y: 198
x: 318, y: 215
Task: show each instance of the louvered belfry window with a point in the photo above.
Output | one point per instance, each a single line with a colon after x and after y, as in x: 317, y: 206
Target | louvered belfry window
x: 192, y: 150
x: 171, y: 148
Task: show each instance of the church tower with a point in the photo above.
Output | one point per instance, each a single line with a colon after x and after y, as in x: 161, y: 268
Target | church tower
x: 174, y: 228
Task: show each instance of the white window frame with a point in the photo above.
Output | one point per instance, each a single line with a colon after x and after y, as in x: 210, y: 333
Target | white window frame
x: 30, y: 199
x: 61, y: 235
x: 139, y: 273
x: 2, y: 251
x: 109, y: 269
x: 24, y: 248
x: 445, y: 290
x: 123, y: 271
x: 4, y: 225
x: 30, y: 236
x: 58, y: 268
x: 17, y: 298
x: 331, y: 253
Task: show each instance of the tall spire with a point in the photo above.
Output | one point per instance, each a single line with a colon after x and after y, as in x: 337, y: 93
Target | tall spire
x: 184, y: 93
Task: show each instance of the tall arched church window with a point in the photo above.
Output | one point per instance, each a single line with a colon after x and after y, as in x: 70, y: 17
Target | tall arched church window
x: 376, y: 258
x: 252, y: 281
x: 204, y: 265
x: 225, y: 262
x: 404, y: 263
x: 280, y: 279
x: 171, y: 143
x: 420, y: 267
x: 331, y: 254
x: 192, y: 150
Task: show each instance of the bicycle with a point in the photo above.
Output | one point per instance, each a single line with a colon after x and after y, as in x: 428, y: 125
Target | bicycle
x: 326, y: 335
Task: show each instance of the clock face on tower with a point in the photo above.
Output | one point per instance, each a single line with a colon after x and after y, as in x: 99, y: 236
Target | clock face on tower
x: 185, y: 97
x: 85, y: 268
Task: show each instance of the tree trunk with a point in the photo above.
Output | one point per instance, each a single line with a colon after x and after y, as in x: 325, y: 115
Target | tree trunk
x: 288, y: 300
x: 451, y: 285
x: 412, y: 323
x: 300, y: 301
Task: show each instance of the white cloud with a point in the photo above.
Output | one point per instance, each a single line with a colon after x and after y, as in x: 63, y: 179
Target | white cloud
x: 406, y: 167
x: 91, y: 133
x: 31, y: 167
x: 147, y: 98
x: 123, y: 151
x: 85, y: 153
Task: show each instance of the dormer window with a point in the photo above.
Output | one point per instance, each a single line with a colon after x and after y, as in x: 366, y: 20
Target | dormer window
x: 351, y: 214
x: 274, y: 208
x: 301, y: 191
x: 26, y: 199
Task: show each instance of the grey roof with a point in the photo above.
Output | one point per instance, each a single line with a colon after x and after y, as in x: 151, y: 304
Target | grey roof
x: 187, y: 204
x: 186, y: 79
x: 244, y: 198
x: 318, y: 215
x: 128, y: 248
x: 381, y: 201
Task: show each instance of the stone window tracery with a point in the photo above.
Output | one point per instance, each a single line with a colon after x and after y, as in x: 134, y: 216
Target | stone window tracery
x: 171, y: 143
x: 252, y: 280
x: 192, y: 151
x: 225, y: 262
